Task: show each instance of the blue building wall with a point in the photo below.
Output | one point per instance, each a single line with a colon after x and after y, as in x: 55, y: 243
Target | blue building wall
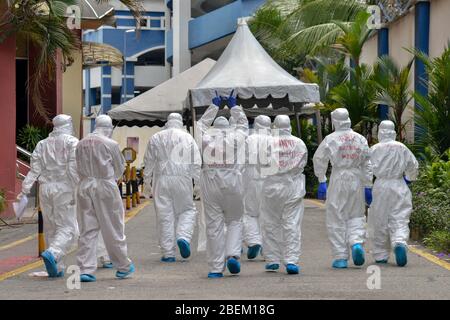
x: 133, y: 45
x: 421, y: 43
x: 383, y: 50
x: 216, y: 24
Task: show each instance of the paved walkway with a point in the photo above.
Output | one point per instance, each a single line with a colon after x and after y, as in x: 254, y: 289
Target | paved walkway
x: 421, y: 279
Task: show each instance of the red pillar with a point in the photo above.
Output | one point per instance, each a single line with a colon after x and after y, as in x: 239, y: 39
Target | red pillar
x: 8, y: 120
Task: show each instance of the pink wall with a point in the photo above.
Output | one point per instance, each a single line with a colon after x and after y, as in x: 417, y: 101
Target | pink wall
x: 8, y: 120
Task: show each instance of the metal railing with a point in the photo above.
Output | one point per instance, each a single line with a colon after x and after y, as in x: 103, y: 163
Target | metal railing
x: 27, y: 154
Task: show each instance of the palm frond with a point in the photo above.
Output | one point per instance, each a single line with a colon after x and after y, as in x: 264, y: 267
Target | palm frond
x: 433, y: 115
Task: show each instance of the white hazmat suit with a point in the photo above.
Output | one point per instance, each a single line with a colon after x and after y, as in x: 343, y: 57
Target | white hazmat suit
x: 256, y: 143
x: 53, y: 165
x: 172, y: 160
x: 348, y: 153
x: 392, y: 204
x: 223, y: 151
x: 283, y: 192
x: 100, y: 208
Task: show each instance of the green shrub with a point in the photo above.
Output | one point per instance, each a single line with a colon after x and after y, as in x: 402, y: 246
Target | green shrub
x: 439, y: 241
x: 29, y: 136
x: 309, y: 137
x: 431, y: 200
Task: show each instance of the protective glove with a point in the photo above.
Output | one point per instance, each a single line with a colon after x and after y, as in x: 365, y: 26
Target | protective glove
x: 19, y: 196
x: 231, y: 101
x: 322, y: 191
x: 408, y: 183
x: 368, y: 196
x: 217, y: 100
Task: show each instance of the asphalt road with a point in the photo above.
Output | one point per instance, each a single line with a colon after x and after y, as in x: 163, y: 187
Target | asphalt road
x: 421, y: 279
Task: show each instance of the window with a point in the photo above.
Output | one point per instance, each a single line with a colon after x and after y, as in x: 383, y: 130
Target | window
x: 144, y: 23
x: 151, y: 58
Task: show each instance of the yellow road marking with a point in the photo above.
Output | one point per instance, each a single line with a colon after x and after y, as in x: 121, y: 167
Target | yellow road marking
x: 22, y: 269
x: 131, y: 214
x: 429, y: 257
x: 16, y: 243
x: 414, y: 249
x: 128, y: 216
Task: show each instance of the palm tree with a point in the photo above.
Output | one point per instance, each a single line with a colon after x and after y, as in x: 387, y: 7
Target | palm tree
x: 352, y: 37
x: 432, y: 117
x: 393, y: 89
x: 303, y: 27
x: 354, y: 88
x: 43, y: 23
x: 358, y: 97
x: 328, y: 73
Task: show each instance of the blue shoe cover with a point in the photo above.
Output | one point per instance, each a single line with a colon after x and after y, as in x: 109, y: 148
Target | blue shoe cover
x: 107, y: 265
x: 292, y: 268
x: 401, y: 256
x: 253, y: 251
x: 185, y: 248
x: 339, y: 264
x: 168, y: 259
x: 233, y: 265
x: 88, y: 278
x: 50, y: 263
x: 60, y: 274
x: 358, y: 254
x: 123, y: 275
x: 383, y: 261
x: 212, y: 275
x: 272, y: 266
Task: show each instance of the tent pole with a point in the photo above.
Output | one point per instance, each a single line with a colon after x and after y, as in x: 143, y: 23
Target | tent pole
x: 319, y: 127
x: 193, y: 114
x: 297, y: 122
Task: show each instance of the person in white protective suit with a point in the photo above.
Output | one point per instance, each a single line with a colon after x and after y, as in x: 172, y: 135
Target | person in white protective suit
x: 394, y: 166
x: 351, y: 175
x: 100, y: 208
x: 172, y: 161
x: 283, y: 192
x: 53, y: 165
x: 255, y: 144
x: 223, y: 151
x: 102, y: 254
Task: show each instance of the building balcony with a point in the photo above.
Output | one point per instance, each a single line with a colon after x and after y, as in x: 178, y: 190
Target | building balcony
x: 216, y: 24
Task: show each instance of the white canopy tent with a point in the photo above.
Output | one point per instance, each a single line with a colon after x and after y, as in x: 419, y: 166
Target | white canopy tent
x: 261, y: 85
x: 153, y: 106
x: 255, y: 77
